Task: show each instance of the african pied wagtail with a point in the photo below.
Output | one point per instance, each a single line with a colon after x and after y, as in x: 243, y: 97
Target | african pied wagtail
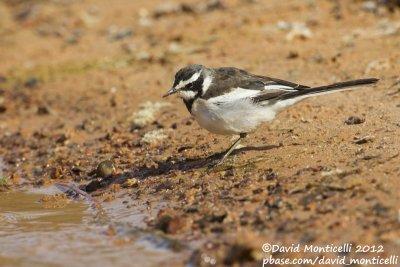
x: 231, y: 101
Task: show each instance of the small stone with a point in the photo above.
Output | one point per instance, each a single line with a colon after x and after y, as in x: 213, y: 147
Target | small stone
x: 299, y: 30
x: 317, y: 59
x: 3, y: 79
x: 217, y: 216
x: 211, y: 5
x: 380, y: 210
x: 331, y: 173
x: 61, y: 138
x: 130, y: 183
x: 270, y: 175
x: 293, y: 55
x: 166, y: 9
x: 43, y: 110
x: 116, y: 34
x: 175, y: 48
x: 72, y: 39
x: 283, y: 25
x: 144, y: 18
x: 354, y: 120
x: 105, y: 169
x: 169, y: 223
x: 192, y: 209
x: 128, y: 48
x: 370, y: 6
x: 143, y: 56
x: 31, y: 82
x: 377, y: 65
x: 56, y: 173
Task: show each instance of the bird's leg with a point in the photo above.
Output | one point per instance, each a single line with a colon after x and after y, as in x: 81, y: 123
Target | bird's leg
x: 232, y: 148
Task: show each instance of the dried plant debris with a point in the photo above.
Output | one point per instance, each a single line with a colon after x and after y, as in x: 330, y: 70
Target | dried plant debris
x: 154, y: 137
x: 363, y: 140
x: 197, y: 8
x: 147, y: 114
x: 116, y: 34
x: 294, y: 30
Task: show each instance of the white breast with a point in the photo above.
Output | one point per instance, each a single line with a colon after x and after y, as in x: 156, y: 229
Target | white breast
x: 228, y: 118
x: 235, y: 112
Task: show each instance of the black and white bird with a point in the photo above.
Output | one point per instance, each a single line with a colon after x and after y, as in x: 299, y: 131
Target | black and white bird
x: 231, y: 101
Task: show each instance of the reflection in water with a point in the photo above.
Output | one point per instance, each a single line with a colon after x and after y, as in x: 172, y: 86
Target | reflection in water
x: 34, y: 235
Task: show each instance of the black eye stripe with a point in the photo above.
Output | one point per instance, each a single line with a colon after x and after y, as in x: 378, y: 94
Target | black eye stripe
x: 188, y: 86
x: 195, y: 86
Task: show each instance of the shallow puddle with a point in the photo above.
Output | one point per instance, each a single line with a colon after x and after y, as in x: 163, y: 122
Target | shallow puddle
x: 34, y: 233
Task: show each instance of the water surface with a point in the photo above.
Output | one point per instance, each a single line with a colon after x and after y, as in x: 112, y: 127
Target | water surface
x: 34, y: 234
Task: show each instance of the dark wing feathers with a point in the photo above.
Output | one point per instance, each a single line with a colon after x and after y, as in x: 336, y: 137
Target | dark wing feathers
x: 295, y: 86
x: 230, y: 78
x: 315, y: 90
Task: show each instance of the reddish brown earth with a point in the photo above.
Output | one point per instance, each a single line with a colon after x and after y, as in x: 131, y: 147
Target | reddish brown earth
x: 73, y: 74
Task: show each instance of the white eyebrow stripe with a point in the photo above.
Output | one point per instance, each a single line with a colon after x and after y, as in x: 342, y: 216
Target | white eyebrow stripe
x: 182, y: 84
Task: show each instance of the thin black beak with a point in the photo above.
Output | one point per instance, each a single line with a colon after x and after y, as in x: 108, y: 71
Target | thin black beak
x: 170, y: 92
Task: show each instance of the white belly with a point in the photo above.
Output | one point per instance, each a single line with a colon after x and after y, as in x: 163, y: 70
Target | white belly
x: 228, y: 118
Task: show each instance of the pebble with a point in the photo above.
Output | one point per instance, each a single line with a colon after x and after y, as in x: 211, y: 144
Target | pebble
x: 211, y: 5
x: 143, y: 56
x: 370, y: 6
x: 105, y: 169
x: 295, y: 30
x: 60, y: 138
x: 203, y: 7
x: 300, y: 31
x: 169, y: 223
x: 377, y: 65
x: 116, y: 34
x: 31, y: 82
x: 270, y: 175
x: 3, y: 79
x: 144, y: 18
x: 43, y: 110
x: 292, y: 55
x: 130, y: 183
x: 354, y: 120
x: 168, y: 9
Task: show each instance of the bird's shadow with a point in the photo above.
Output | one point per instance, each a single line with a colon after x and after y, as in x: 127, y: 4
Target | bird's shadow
x: 187, y: 164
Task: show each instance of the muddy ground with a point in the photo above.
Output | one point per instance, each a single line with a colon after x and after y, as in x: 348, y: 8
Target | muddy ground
x: 81, y: 82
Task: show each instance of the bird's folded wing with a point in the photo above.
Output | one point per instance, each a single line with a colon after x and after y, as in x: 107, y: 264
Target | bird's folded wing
x: 235, y: 83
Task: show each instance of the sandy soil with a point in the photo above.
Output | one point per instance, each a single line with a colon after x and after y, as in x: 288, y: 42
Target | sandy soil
x: 81, y: 82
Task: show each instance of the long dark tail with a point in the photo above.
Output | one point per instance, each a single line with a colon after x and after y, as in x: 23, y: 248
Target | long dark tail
x: 326, y: 89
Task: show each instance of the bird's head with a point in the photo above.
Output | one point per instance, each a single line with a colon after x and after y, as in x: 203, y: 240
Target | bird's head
x: 189, y: 82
